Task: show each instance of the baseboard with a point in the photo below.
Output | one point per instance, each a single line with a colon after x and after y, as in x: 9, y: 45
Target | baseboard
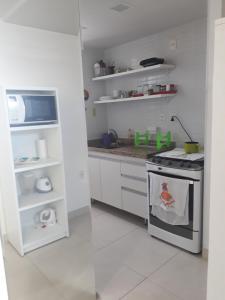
x: 205, y: 253
x: 79, y: 212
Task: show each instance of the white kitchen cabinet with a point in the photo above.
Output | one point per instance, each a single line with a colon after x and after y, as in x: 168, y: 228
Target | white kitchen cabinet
x: 135, y: 203
x: 119, y: 184
x: 111, y: 182
x: 95, y: 178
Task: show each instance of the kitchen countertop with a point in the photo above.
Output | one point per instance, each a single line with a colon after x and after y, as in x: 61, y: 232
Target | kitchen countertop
x: 141, y: 152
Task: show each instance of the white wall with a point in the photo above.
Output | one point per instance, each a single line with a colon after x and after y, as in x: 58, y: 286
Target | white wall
x: 32, y: 57
x: 214, y: 12
x: 216, y: 274
x: 3, y: 287
x: 96, y: 120
x: 189, y: 74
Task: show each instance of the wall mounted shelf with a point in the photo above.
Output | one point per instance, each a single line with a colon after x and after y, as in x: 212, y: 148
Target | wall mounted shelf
x: 150, y: 98
x: 155, y: 68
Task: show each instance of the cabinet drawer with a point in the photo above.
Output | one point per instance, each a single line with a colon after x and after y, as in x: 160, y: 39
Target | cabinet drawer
x: 134, y: 184
x: 133, y: 170
x: 135, y: 203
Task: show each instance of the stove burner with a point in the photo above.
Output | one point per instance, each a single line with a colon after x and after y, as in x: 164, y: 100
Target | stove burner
x: 177, y: 163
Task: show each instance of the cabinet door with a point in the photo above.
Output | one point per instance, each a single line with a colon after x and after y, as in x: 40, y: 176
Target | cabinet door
x: 111, y: 183
x: 95, y: 178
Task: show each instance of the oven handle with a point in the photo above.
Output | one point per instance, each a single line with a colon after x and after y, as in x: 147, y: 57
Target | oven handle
x: 175, y: 176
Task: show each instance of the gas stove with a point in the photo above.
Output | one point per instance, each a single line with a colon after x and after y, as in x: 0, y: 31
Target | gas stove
x: 176, y: 165
x: 177, y: 159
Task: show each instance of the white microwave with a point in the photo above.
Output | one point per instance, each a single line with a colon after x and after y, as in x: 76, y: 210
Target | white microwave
x: 31, y: 109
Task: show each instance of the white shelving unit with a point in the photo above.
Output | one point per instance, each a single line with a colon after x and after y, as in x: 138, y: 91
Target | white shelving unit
x: 152, y: 97
x: 163, y: 67
x: 153, y: 71
x: 22, y: 207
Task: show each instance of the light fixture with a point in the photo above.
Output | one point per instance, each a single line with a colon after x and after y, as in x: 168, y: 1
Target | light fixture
x: 120, y: 7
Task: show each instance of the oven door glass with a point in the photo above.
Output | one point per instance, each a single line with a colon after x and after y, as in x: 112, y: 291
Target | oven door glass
x: 181, y: 230
x: 40, y: 109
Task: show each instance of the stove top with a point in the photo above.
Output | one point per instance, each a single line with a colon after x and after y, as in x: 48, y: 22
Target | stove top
x: 177, y: 159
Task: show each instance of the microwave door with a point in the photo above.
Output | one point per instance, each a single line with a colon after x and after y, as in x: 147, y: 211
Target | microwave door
x: 16, y: 108
x: 40, y: 109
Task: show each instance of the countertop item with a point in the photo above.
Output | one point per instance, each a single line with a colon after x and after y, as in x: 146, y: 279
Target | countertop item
x: 127, y: 149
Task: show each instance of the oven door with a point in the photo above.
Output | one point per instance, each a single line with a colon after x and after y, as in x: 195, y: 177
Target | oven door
x: 195, y: 203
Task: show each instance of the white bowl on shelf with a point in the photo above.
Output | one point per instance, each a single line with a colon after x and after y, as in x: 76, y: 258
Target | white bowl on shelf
x: 105, y: 98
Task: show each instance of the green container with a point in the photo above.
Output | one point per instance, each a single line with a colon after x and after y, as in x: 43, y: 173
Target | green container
x: 191, y: 147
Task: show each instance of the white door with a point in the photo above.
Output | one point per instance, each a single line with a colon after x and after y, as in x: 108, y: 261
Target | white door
x: 111, y: 185
x: 95, y: 178
x: 3, y: 288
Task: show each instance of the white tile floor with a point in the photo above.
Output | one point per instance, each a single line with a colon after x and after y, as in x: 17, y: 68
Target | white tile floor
x: 63, y: 270
x: 131, y: 265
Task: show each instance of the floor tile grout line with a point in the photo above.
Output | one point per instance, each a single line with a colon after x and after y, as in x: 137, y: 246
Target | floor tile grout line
x: 132, y: 289
x: 148, y: 277
x: 163, y: 265
x: 53, y: 285
x: 113, y: 242
x: 131, y: 269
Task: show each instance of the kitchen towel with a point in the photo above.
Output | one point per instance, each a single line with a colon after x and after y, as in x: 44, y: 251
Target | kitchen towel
x: 169, y: 199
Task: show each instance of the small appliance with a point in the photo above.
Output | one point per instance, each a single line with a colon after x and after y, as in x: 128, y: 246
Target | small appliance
x: 44, y: 185
x: 34, y: 109
x: 48, y: 217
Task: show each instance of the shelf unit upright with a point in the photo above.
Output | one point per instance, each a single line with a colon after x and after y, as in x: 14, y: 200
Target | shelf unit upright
x: 22, y: 208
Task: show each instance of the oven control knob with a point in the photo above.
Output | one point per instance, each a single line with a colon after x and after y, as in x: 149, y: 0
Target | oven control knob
x: 159, y: 161
x: 170, y: 163
x: 189, y: 166
x: 181, y: 164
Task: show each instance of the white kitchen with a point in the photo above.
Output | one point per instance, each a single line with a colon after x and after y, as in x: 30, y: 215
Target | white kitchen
x: 111, y: 126
x: 145, y: 88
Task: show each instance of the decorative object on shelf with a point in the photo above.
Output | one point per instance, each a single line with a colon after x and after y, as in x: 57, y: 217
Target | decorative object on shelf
x: 116, y: 94
x: 135, y: 64
x: 105, y: 98
x: 100, y: 68
x: 27, y: 182
x: 189, y: 147
x: 44, y: 185
x: 86, y: 95
x: 152, y: 62
x: 111, y: 68
x: 48, y: 217
x: 42, y: 149
x: 26, y: 160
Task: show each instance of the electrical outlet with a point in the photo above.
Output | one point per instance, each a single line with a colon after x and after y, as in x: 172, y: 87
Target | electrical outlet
x: 173, y: 44
x: 162, y: 117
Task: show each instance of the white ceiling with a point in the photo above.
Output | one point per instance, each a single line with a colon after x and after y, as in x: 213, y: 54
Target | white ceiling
x: 53, y: 15
x: 107, y: 28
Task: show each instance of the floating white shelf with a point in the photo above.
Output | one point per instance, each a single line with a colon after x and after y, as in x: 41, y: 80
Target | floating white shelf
x: 37, y: 165
x: 31, y: 128
x: 163, y: 67
x: 36, y: 199
x: 37, y: 237
x: 151, y: 97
